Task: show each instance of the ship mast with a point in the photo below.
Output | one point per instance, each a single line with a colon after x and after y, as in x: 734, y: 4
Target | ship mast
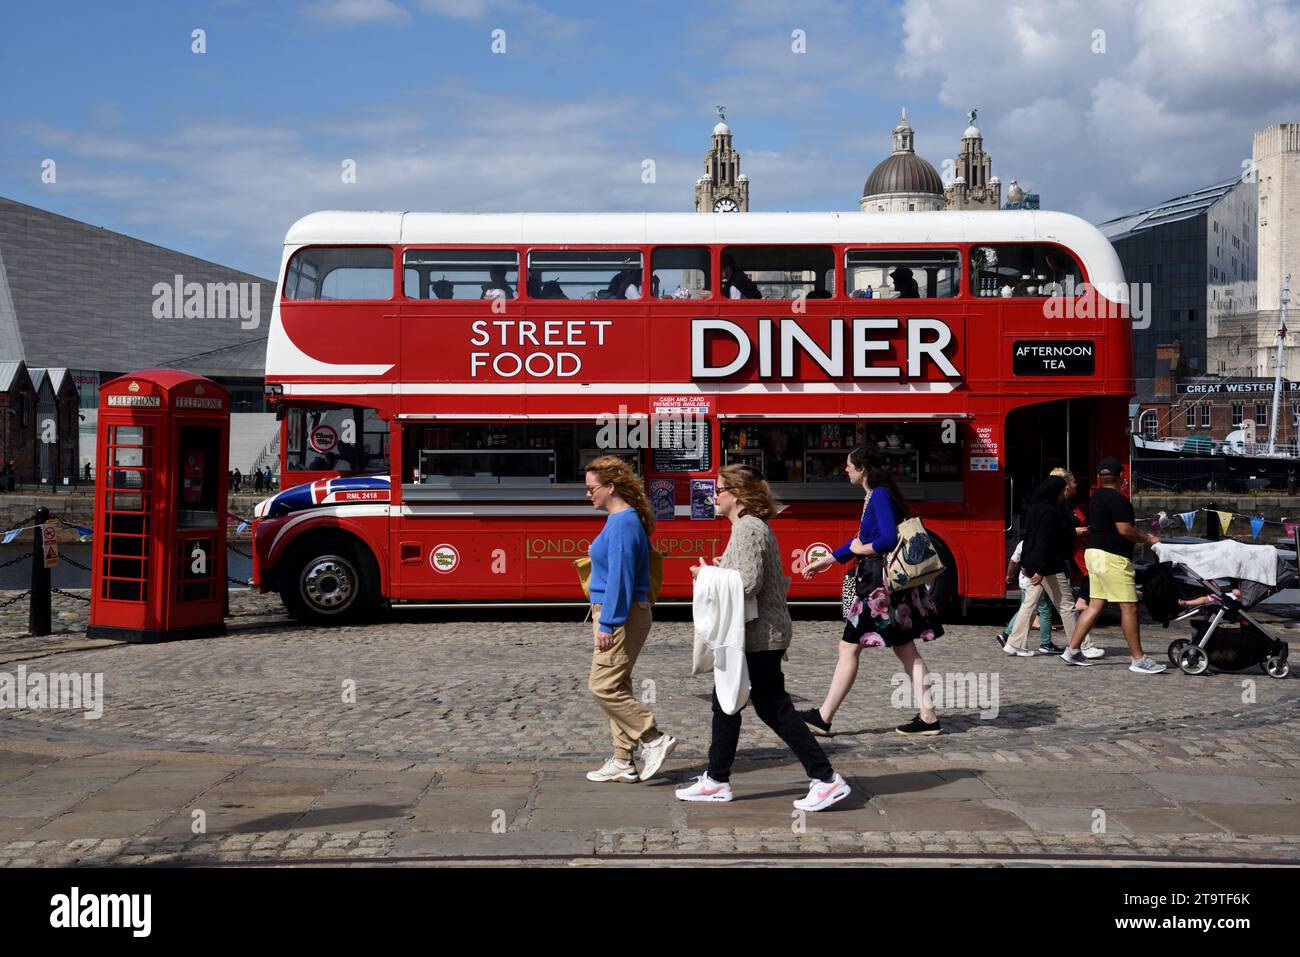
x: 1277, y: 375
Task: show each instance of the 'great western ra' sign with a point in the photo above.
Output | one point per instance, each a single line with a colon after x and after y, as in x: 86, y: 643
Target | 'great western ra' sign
x: 1054, y: 357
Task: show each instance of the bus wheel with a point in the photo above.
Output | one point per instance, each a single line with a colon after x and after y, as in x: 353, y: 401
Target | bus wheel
x: 325, y: 581
x: 943, y: 590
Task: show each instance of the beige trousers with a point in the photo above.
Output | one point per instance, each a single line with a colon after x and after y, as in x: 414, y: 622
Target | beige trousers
x: 1058, y: 589
x: 611, y: 680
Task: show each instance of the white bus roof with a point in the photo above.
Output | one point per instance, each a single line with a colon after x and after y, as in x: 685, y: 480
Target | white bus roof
x: 400, y: 228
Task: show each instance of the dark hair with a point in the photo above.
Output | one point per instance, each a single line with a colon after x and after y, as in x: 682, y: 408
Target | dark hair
x: 865, y: 459
x: 1050, y: 489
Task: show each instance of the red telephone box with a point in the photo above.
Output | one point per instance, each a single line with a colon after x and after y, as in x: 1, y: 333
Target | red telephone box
x: 159, y: 569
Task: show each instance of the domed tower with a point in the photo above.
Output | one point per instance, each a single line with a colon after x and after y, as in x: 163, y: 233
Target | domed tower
x: 723, y: 188
x: 974, y: 186
x: 903, y: 182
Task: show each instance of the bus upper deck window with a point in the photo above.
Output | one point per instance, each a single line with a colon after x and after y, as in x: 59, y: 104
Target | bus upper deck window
x: 680, y: 272
x: 902, y: 273
x: 340, y: 273
x: 585, y: 274
x: 778, y: 272
x: 1023, y: 270
x: 460, y: 274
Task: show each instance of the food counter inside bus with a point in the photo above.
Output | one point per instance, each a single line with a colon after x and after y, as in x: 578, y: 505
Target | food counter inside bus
x: 803, y: 460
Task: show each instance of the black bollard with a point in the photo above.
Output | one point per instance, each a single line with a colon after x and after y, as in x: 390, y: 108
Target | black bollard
x: 1213, y: 530
x: 38, y: 620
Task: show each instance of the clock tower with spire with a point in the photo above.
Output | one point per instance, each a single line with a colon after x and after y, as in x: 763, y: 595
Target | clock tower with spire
x: 723, y: 188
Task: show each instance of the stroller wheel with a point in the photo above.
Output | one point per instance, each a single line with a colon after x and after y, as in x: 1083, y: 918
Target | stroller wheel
x: 1277, y: 666
x: 1192, y: 660
x: 1175, y: 649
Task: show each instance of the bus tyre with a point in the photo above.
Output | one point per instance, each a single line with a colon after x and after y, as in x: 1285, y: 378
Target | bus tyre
x: 326, y: 580
x: 943, y: 590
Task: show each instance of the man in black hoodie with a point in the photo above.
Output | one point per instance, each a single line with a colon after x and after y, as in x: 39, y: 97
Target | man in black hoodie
x: 1047, y: 545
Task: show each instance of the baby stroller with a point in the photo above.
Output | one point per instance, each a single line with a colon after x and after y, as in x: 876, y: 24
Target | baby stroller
x: 1234, y: 577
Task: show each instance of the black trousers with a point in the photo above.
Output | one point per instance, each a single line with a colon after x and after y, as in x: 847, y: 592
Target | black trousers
x: 773, y: 706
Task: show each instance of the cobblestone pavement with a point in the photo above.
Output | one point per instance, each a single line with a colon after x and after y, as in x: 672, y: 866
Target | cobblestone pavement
x: 468, y: 738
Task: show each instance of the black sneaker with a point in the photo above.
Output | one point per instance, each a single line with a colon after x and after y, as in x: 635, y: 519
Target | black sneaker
x: 1001, y: 636
x: 1049, y: 649
x: 813, y: 718
x: 917, y: 726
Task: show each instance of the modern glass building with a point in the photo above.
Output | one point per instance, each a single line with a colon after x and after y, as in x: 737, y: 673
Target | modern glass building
x: 1195, y: 254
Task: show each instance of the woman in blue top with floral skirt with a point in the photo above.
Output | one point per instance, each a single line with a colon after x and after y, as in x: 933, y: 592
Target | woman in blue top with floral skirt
x: 883, y: 619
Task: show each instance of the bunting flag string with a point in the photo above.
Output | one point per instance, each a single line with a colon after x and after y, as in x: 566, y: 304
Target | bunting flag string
x: 1225, y: 518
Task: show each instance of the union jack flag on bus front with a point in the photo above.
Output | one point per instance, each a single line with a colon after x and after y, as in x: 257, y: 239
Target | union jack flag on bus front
x: 336, y: 491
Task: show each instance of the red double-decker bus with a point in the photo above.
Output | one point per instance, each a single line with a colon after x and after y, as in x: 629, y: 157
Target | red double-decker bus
x: 444, y: 379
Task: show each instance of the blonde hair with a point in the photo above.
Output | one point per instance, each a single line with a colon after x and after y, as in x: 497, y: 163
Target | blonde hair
x: 611, y: 469
x: 750, y: 489
x: 1065, y: 474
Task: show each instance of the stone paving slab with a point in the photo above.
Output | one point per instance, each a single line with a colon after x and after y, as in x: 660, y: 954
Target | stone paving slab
x: 1214, y: 788
x: 1274, y: 819
x: 1142, y: 820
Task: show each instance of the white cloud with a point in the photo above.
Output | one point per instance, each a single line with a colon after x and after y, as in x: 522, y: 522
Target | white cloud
x: 1169, y: 106
x: 228, y: 190
x: 352, y: 12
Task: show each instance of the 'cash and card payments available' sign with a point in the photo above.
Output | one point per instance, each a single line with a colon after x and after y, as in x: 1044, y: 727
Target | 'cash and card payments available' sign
x: 1054, y: 357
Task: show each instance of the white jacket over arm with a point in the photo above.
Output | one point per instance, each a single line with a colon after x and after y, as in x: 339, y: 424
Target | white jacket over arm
x: 718, y: 609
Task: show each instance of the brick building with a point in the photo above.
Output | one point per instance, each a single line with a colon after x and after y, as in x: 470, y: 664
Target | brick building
x: 1185, y: 403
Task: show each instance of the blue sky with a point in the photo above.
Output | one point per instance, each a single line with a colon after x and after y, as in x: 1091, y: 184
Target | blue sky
x: 216, y: 154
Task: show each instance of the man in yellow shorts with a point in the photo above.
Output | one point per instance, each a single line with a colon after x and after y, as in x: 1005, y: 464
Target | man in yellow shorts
x: 1109, y: 559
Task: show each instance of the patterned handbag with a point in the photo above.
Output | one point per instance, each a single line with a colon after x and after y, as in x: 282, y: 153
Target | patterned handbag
x: 914, y: 560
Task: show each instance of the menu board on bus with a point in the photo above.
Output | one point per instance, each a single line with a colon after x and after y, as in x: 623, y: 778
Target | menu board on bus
x: 682, y: 434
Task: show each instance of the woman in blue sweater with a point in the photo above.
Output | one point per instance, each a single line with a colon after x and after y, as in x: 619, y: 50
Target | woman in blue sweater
x: 620, y: 614
x: 883, y: 619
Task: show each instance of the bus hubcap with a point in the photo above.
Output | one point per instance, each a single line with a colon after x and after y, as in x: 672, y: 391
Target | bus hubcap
x: 328, y: 583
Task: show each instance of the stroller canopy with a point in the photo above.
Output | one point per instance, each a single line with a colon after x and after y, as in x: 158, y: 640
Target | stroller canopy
x: 1225, y: 559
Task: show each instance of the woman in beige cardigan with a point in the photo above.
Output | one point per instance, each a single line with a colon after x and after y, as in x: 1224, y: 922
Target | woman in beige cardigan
x: 744, y: 497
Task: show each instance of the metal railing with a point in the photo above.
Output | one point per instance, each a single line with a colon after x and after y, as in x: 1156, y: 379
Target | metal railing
x: 270, y: 455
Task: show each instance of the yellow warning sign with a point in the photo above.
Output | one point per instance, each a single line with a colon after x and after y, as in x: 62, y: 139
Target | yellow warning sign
x: 49, y: 545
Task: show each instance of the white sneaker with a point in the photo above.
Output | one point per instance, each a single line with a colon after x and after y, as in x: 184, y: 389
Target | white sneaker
x: 1145, y: 666
x: 613, y: 771
x: 653, y: 755
x: 822, y: 794
x: 1010, y: 649
x: 1094, y: 652
x: 705, y: 789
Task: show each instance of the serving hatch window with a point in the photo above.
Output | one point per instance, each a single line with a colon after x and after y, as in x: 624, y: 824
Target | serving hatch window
x: 902, y: 273
x: 460, y: 273
x: 497, y: 455
x: 814, y: 453
x: 778, y: 272
x: 585, y: 274
x: 340, y: 272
